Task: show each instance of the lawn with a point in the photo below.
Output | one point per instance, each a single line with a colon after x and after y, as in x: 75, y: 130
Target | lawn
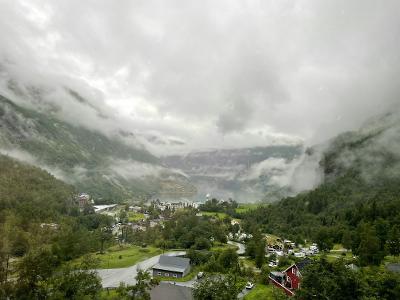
x: 134, y: 217
x: 110, y: 294
x: 249, y: 263
x: 220, y: 247
x: 260, y: 291
x: 117, y: 257
x: 337, y: 247
x: 334, y: 255
x: 219, y: 215
x: 245, y: 207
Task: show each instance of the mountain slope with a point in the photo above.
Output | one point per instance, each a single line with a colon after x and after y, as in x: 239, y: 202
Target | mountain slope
x: 244, y: 174
x: 32, y: 192
x: 359, y: 195
x: 105, y: 167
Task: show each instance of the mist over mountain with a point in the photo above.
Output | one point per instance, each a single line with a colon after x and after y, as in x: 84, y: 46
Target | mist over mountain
x: 373, y: 151
x: 107, y: 167
x: 246, y: 174
x: 203, y: 76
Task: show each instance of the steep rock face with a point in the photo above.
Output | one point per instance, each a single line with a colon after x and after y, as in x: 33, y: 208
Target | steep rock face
x: 104, y: 166
x: 242, y: 174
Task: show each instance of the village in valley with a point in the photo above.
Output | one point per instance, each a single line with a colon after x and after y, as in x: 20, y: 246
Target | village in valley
x: 277, y: 270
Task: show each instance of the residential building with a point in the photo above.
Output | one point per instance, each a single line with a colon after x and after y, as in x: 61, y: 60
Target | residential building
x: 289, y: 280
x: 83, y: 200
x: 170, y: 291
x: 171, y: 266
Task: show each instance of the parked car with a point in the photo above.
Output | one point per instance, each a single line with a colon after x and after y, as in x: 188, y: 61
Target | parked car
x: 249, y: 285
x: 272, y: 264
x: 299, y: 254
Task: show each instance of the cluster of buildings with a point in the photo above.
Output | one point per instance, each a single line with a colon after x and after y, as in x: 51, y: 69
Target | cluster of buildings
x: 163, y: 205
x: 288, y: 247
x: 239, y: 236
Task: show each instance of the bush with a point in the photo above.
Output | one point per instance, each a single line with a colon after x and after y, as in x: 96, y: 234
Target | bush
x: 202, y: 244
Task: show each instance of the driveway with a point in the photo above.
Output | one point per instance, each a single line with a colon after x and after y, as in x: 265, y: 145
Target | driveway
x: 113, y: 277
x: 241, y: 247
x: 188, y: 284
x: 243, y: 293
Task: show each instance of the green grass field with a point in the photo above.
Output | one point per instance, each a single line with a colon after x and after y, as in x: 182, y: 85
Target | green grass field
x: 117, y: 257
x: 213, y: 214
x: 110, y: 294
x: 134, y: 217
x: 221, y: 247
x: 245, y: 207
x: 337, y: 247
x: 249, y: 263
x: 260, y: 292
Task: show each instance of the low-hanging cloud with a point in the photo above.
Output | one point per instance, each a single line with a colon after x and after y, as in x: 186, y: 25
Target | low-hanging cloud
x: 30, y: 159
x: 207, y: 72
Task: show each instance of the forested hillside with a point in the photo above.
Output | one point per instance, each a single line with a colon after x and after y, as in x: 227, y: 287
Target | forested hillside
x: 358, y: 203
x: 41, y: 228
x: 107, y: 168
x: 31, y: 193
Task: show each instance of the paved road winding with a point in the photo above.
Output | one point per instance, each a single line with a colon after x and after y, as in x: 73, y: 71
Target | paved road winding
x: 113, y: 277
x: 241, y: 247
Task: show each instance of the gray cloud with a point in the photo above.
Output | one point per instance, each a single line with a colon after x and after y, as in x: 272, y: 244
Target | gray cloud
x: 210, y: 73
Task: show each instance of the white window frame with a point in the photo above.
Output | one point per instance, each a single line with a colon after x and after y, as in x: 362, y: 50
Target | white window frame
x: 166, y: 274
x: 159, y: 273
x: 175, y: 275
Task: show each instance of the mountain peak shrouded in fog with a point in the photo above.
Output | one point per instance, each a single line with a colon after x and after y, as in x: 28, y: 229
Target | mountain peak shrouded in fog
x: 210, y: 74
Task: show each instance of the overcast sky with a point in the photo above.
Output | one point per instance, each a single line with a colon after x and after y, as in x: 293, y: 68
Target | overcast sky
x: 214, y: 73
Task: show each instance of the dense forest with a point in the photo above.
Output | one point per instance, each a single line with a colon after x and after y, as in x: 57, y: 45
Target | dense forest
x: 358, y: 203
x: 41, y: 229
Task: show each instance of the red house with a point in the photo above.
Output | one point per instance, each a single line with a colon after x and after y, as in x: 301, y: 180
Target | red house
x: 289, y: 280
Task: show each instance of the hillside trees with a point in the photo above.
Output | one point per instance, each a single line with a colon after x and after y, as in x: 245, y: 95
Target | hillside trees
x: 356, y: 211
x: 186, y: 230
x: 255, y: 248
x: 369, y: 249
x: 216, y: 287
x: 334, y: 280
x: 393, y: 243
x: 139, y: 291
x: 325, y: 280
x: 324, y: 239
x: 38, y: 279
